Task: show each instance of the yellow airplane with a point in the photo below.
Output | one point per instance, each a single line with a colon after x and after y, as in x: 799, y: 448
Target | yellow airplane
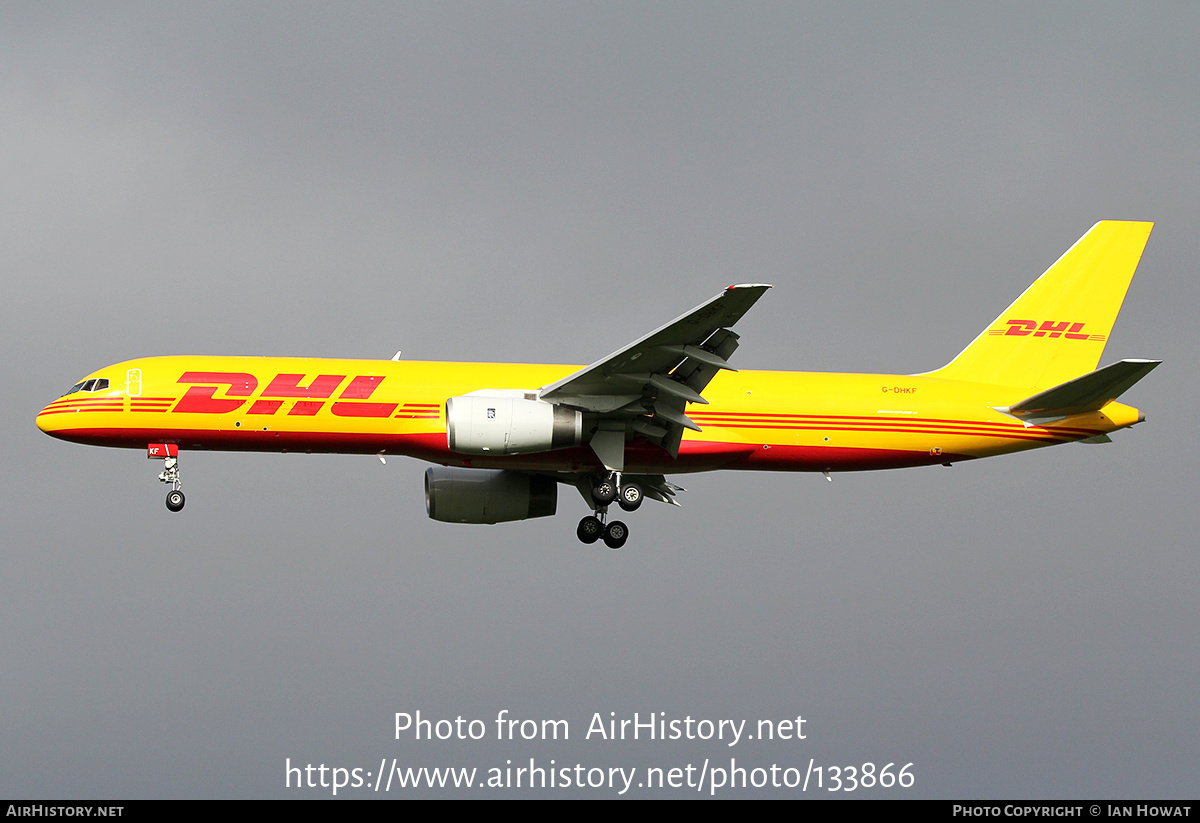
x: 505, y: 436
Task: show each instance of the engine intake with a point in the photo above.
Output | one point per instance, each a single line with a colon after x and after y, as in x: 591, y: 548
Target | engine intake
x: 454, y: 495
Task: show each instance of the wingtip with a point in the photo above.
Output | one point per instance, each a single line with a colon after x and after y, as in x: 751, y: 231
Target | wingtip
x: 1148, y: 225
x: 749, y: 286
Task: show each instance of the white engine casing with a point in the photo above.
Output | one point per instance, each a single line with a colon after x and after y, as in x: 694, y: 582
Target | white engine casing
x: 490, y: 424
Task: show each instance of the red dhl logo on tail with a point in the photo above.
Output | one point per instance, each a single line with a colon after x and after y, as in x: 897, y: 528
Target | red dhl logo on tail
x: 308, y: 400
x: 1048, y: 328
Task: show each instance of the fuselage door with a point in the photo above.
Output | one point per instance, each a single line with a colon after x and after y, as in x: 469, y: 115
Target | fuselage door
x: 133, y: 382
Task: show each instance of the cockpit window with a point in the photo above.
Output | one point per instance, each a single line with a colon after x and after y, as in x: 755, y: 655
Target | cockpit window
x: 95, y: 384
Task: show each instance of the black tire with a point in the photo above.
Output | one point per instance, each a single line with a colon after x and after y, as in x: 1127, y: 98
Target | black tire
x: 175, y: 500
x: 615, y: 534
x: 604, y: 492
x: 590, y: 529
x: 630, y: 497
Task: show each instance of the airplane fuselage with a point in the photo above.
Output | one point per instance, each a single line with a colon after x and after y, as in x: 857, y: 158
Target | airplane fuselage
x: 762, y: 420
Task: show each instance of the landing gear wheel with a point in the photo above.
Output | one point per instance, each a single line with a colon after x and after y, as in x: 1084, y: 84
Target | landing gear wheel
x: 604, y: 492
x: 590, y: 529
x: 615, y: 534
x: 169, y: 453
x: 630, y: 497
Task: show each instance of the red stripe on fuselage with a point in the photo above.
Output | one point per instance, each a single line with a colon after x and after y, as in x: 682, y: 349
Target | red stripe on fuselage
x: 641, y: 457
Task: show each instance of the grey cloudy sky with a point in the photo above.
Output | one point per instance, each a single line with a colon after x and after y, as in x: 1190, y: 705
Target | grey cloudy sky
x: 545, y: 182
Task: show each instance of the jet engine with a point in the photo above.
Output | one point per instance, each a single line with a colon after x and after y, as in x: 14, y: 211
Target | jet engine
x: 483, y: 424
x: 455, y: 495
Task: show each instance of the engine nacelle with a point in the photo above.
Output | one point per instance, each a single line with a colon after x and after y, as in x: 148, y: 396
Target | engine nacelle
x: 487, y: 495
x: 482, y: 424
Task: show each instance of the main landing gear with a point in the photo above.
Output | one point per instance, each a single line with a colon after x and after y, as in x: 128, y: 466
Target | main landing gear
x: 603, y: 492
x: 593, y: 528
x: 169, y: 454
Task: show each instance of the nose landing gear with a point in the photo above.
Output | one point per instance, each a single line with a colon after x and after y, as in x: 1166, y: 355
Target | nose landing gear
x: 169, y: 454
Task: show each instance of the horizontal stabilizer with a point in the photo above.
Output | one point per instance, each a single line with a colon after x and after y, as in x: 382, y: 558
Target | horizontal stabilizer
x: 1088, y: 393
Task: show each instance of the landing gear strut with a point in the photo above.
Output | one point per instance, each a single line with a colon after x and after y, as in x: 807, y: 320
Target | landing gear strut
x: 602, y: 492
x: 169, y: 454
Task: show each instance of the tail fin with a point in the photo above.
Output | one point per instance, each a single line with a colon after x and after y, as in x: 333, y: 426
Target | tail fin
x: 1057, y: 329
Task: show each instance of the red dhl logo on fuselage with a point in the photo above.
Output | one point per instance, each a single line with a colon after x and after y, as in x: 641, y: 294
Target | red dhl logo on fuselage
x: 1048, y: 328
x: 306, y: 400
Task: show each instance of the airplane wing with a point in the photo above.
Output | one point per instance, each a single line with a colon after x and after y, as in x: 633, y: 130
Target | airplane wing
x: 645, y: 386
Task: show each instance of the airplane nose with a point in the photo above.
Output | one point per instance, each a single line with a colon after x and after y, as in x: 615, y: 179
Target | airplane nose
x: 43, y: 420
x: 50, y: 419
